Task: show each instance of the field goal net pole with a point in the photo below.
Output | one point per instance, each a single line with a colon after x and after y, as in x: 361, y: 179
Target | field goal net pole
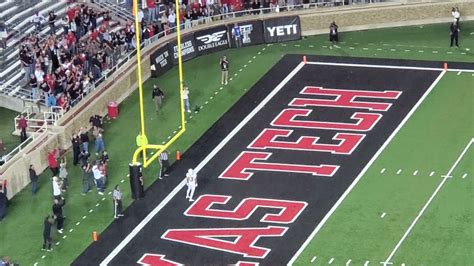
x: 136, y: 166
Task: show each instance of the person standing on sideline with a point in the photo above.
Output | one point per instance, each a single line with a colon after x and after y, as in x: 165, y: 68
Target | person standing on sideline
x: 86, y: 178
x: 76, y: 149
x: 157, y: 96
x: 117, y: 202
x: 164, y: 164
x: 454, y: 29
x: 224, y: 70
x: 333, y: 35
x: 84, y: 136
x: 58, y: 212
x: 22, y: 125
x: 53, y: 162
x: 98, y: 178
x: 63, y: 173
x: 187, y: 107
x: 57, y: 188
x: 34, y: 179
x: 191, y: 182
x: 98, y: 140
x: 47, y: 224
x: 237, y: 35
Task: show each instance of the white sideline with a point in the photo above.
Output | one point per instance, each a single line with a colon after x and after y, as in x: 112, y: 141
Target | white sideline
x: 390, y: 67
x: 175, y: 191
x: 367, y: 166
x: 448, y: 175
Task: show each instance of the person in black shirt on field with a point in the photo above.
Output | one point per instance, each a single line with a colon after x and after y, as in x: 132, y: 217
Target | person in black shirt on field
x: 157, y: 96
x: 454, y: 29
x: 76, y: 148
x: 58, y: 212
x: 96, y: 121
x: 224, y: 70
x: 333, y: 35
x: 47, y: 224
x: 84, y: 136
x: 34, y: 179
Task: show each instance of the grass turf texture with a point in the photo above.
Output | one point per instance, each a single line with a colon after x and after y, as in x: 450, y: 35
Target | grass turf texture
x: 6, y: 129
x: 21, y: 231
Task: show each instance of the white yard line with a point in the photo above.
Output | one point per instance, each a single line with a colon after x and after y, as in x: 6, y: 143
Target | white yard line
x: 211, y: 155
x: 395, y: 249
x: 389, y: 66
x: 367, y: 166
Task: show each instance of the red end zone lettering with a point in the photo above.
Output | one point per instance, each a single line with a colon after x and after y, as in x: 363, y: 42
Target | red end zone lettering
x: 156, y: 260
x: 287, y: 118
x: 247, y: 160
x: 346, y: 98
x: 267, y: 139
x: 243, y: 244
x: 289, y: 210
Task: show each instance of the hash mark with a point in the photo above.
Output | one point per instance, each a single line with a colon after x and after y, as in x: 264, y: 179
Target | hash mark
x: 84, y: 217
x: 352, y: 48
x: 44, y: 256
x: 464, y: 175
x: 366, y: 263
x: 313, y: 259
x: 432, y: 173
x: 421, y: 51
x: 399, y: 171
x: 383, y: 215
x: 407, y: 50
x: 435, y: 52
x: 64, y: 237
x: 97, y: 205
x: 365, y: 48
x: 57, y: 243
x: 331, y: 260
x: 91, y: 210
x: 416, y: 172
x: 78, y: 223
x: 382, y: 171
x: 379, y: 49
x: 459, y: 73
x: 348, y: 262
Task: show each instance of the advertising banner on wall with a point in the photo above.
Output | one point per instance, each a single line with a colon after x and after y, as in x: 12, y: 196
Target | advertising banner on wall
x: 251, y: 33
x: 160, y: 61
x: 188, y: 48
x: 211, y: 40
x: 282, y: 29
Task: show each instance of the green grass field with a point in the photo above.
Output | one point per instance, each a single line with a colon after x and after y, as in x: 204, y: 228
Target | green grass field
x: 6, y: 129
x: 430, y: 141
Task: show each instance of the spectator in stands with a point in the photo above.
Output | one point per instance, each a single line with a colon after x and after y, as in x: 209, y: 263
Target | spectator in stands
x: 140, y: 15
x: 34, y: 179
x: 47, y: 224
x: 51, y: 100
x: 35, y: 93
x: 84, y: 135
x: 151, y: 10
x: 58, y: 213
x: 236, y: 34
x: 98, y: 178
x: 26, y: 59
x: 333, y: 35
x: 6, y: 261
x: 172, y: 20
x: 65, y: 25
x: 37, y: 19
x: 164, y: 20
x: 3, y: 35
x: 53, y: 161
x: 22, y: 124
x: 51, y: 21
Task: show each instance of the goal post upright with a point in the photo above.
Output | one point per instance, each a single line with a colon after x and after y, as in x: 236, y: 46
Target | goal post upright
x: 159, y: 148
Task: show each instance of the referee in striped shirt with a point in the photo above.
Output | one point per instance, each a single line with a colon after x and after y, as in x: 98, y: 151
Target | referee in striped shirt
x: 117, y: 202
x: 164, y: 164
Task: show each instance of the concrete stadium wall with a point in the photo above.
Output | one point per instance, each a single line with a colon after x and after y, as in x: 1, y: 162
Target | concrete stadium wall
x: 122, y: 83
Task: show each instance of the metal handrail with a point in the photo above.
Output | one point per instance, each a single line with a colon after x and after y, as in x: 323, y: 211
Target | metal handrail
x: 5, y: 158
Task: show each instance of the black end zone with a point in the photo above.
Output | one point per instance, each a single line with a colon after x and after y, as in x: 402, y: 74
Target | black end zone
x: 276, y: 202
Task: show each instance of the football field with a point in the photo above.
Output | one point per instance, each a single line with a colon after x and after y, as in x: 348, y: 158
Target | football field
x: 415, y: 204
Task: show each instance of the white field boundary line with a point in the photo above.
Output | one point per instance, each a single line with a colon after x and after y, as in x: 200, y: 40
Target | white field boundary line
x: 364, y: 170
x: 448, y: 175
x: 389, y: 67
x: 175, y: 191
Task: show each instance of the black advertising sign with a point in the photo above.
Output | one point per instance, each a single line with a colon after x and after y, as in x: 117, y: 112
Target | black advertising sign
x: 188, y: 48
x: 282, y: 29
x: 211, y: 40
x: 160, y: 61
x: 251, y: 33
